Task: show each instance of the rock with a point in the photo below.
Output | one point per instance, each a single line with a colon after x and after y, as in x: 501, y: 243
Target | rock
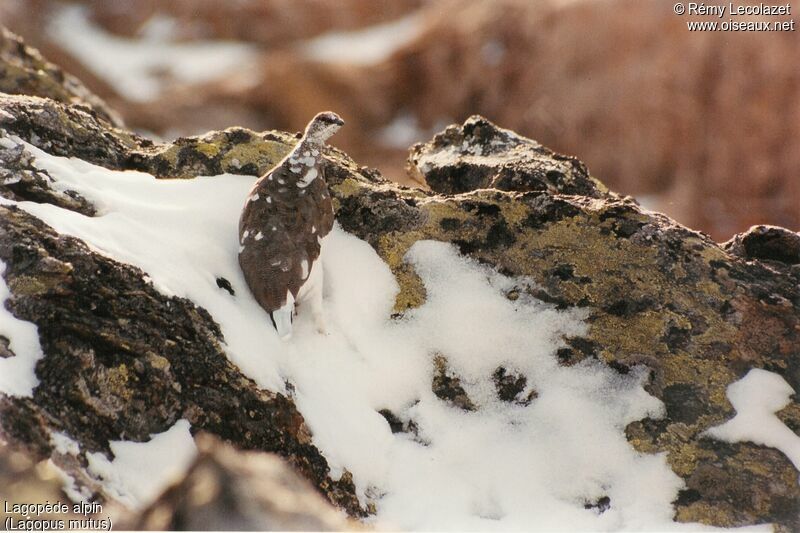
x: 600, y: 506
x: 584, y: 82
x: 68, y: 130
x: 479, y: 155
x: 73, y: 131
x: 5, y: 351
x: 21, y: 180
x: 768, y: 243
x: 23, y: 70
x: 447, y: 386
x: 398, y: 425
x: 226, y: 489
x: 123, y: 361
x: 511, y: 387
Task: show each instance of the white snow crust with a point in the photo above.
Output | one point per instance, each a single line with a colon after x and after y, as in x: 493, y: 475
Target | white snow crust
x: 17, y: 377
x: 139, y: 471
x: 757, y: 397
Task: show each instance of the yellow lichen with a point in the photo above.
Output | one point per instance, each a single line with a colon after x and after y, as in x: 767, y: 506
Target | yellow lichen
x: 208, y: 149
x: 263, y: 154
x: 718, y: 514
x: 117, y: 381
x: 157, y: 361
x: 26, y: 286
x: 347, y: 188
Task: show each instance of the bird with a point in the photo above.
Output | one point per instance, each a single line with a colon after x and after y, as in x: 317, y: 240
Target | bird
x: 286, y: 214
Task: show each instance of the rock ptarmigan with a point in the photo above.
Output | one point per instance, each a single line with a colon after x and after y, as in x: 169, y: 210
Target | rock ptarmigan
x: 285, y: 216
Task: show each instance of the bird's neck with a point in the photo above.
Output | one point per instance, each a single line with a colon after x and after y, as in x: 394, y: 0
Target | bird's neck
x: 307, y: 143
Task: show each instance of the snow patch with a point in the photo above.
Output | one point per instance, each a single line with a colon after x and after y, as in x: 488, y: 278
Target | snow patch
x: 140, y: 471
x: 756, y: 398
x: 64, y: 444
x: 68, y: 484
x: 17, y: 373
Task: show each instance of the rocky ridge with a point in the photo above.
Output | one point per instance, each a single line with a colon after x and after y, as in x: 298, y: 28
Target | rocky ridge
x: 697, y: 314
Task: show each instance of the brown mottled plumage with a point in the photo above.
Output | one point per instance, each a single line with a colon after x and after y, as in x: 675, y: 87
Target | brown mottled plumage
x: 286, y: 214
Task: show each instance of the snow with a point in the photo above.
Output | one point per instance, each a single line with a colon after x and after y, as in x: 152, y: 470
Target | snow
x: 141, y: 470
x: 17, y: 376
x: 366, y: 46
x: 756, y: 398
x: 68, y: 484
x: 502, y: 467
x: 64, y: 444
x: 138, y: 68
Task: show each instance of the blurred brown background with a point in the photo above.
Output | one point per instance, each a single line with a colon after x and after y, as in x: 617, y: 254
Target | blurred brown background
x: 703, y: 126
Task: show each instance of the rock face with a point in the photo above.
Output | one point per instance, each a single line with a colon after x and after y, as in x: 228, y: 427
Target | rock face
x: 480, y: 156
x: 25, y: 71
x: 122, y: 360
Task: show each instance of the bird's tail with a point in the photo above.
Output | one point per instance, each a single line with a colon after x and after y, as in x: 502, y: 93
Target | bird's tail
x: 282, y: 318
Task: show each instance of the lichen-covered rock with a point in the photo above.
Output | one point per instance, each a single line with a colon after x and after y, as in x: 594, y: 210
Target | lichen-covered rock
x: 75, y: 131
x: 767, y: 243
x: 68, y: 130
x: 479, y: 155
x: 23, y: 70
x: 122, y: 361
x: 21, y: 180
x: 229, y: 490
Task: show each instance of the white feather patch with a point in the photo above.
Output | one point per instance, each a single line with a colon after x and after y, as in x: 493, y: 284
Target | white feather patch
x: 310, y: 176
x: 283, y: 317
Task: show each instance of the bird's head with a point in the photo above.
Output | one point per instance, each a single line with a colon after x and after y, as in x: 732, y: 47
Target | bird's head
x: 323, y: 126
